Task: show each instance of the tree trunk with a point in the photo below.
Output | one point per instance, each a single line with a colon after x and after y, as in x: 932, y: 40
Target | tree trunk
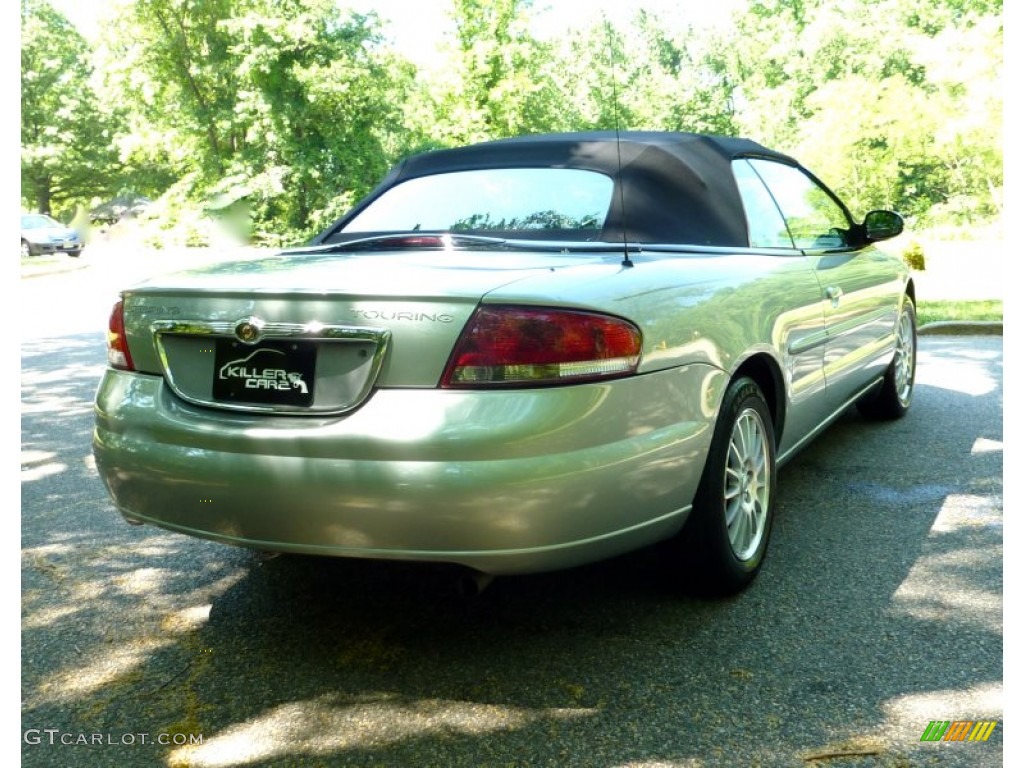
x: 42, y: 186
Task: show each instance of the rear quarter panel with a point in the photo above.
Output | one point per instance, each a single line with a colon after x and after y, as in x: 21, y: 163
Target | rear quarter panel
x: 717, y: 309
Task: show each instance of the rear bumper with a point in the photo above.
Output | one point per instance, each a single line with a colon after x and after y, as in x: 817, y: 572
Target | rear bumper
x: 40, y: 248
x: 503, y: 482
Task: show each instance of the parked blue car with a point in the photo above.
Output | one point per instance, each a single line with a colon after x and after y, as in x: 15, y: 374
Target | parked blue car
x: 42, y: 234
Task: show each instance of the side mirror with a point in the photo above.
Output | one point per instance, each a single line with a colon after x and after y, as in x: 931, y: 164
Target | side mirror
x: 882, y: 225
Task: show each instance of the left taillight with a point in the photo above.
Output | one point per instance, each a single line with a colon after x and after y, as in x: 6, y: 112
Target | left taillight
x: 516, y: 346
x: 118, y: 355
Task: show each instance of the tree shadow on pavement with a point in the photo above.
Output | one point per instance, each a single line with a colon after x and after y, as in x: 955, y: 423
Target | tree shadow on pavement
x: 879, y: 610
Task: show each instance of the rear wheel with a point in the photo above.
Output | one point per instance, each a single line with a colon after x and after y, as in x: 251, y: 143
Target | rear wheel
x: 892, y: 399
x: 26, y: 249
x: 723, y: 544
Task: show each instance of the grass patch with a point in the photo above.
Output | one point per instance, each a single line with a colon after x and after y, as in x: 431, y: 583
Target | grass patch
x: 45, y: 260
x: 50, y: 263
x: 960, y: 311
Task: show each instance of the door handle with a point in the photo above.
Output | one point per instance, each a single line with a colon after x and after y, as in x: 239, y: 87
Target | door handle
x: 834, y: 292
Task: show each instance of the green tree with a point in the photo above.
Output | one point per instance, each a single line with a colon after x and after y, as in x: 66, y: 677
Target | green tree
x: 287, y: 105
x: 895, y: 102
x: 677, y: 81
x: 503, y: 81
x: 319, y: 105
x: 66, y: 152
x: 170, y: 63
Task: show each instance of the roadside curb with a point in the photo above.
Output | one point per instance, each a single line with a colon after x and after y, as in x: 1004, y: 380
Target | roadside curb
x: 962, y: 328
x: 53, y: 269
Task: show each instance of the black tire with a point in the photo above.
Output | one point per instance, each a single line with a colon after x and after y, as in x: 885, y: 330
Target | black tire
x: 26, y: 249
x: 723, y: 544
x: 891, y: 400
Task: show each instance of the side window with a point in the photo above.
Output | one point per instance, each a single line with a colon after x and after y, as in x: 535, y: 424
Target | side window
x: 815, y: 221
x: 765, y: 225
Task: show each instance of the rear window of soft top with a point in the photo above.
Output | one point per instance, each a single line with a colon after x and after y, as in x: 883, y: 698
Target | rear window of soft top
x: 523, y: 202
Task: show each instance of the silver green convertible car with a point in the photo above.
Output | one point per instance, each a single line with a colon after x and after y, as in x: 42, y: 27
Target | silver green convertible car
x: 517, y: 356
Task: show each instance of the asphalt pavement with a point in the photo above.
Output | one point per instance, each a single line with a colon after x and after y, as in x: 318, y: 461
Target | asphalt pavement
x: 879, y: 611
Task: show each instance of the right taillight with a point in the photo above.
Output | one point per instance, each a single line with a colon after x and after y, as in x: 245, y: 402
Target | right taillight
x: 517, y: 346
x: 118, y: 355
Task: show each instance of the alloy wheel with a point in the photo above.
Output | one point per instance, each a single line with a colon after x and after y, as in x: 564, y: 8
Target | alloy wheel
x: 904, y: 360
x: 747, y: 484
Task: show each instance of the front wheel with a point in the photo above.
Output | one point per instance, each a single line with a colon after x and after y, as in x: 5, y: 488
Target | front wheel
x: 892, y: 398
x: 723, y: 544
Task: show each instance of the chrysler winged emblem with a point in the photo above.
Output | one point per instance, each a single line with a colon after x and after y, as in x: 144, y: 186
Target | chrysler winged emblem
x: 249, y: 330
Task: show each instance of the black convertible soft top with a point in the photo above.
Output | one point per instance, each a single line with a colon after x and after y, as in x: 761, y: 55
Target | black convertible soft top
x: 671, y: 187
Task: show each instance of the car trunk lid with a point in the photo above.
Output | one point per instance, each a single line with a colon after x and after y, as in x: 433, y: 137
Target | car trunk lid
x: 314, y: 333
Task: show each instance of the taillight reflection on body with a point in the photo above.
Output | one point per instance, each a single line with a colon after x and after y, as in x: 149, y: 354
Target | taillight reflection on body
x: 118, y: 355
x: 536, y: 346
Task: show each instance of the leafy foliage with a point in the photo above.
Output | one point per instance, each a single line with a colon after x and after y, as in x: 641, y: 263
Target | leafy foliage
x: 285, y: 104
x: 882, y: 98
x: 502, y: 81
x: 538, y: 220
x: 290, y: 110
x: 66, y: 150
x: 913, y: 255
